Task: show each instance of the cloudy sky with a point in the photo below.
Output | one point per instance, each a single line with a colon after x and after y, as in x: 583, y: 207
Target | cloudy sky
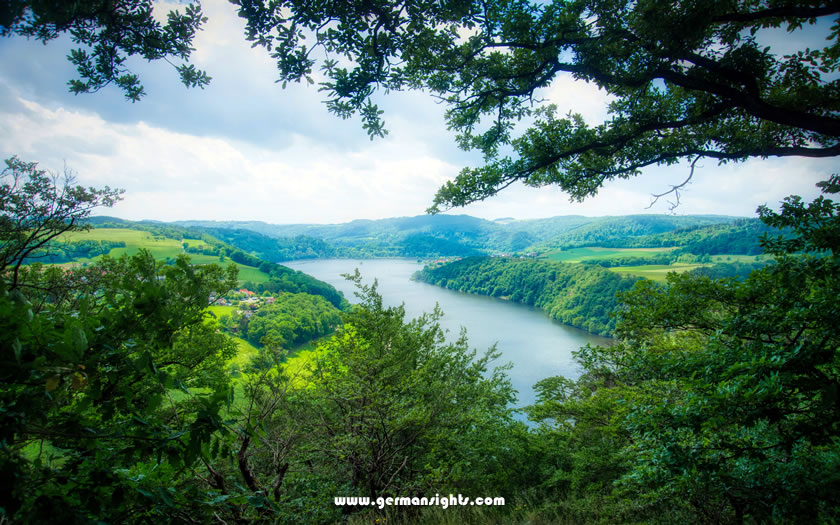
x: 245, y: 149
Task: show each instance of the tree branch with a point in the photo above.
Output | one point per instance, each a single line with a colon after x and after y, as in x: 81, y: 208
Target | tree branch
x: 674, y: 189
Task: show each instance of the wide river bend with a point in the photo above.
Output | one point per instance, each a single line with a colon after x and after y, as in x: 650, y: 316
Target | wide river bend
x: 537, y: 345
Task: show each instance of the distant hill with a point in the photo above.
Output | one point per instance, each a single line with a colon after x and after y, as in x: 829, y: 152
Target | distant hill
x: 463, y: 235
x: 608, y: 230
x: 435, y: 235
x: 736, y: 237
x: 166, y: 241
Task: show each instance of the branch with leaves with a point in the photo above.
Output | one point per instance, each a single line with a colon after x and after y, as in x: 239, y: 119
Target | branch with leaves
x: 36, y: 207
x: 688, y: 80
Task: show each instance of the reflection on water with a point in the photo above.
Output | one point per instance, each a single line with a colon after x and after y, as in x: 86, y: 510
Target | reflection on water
x: 537, y: 345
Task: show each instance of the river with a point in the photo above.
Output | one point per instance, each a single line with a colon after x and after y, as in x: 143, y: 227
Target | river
x: 537, y: 345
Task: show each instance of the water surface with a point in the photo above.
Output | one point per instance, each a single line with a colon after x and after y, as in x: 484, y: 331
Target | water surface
x: 537, y: 345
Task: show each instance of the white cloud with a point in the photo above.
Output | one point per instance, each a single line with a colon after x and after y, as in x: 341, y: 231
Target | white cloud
x: 577, y: 96
x: 170, y: 175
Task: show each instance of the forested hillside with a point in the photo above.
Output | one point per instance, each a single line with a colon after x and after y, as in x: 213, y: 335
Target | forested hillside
x: 121, y: 402
x: 578, y: 295
x: 166, y: 241
x: 447, y: 235
x: 273, y: 248
x: 603, y: 230
x: 739, y: 237
x: 121, y: 383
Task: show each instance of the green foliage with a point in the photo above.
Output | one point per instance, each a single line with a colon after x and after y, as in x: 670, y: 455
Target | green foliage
x: 458, y: 235
x: 272, y: 249
x: 613, y: 256
x: 722, y: 393
x: 166, y: 241
x: 291, y: 320
x: 399, y: 237
x: 737, y: 270
x: 688, y: 80
x: 55, y: 253
x: 283, y: 279
x: 583, y: 296
x: 738, y: 237
x: 383, y: 405
x: 622, y: 232
x: 110, y: 33
x: 386, y: 407
x: 93, y: 425
x: 36, y: 207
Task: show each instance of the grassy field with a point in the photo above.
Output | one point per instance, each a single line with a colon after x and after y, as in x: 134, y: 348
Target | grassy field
x: 725, y: 258
x: 654, y: 272
x: 247, y: 351
x: 297, y: 365
x: 160, y: 247
x: 219, y: 311
x: 574, y: 255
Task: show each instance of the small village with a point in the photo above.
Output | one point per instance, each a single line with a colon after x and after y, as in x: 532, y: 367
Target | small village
x: 246, y: 300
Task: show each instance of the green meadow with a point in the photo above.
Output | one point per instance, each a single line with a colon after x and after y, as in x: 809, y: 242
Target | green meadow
x: 247, y: 351
x: 296, y: 362
x: 654, y: 272
x: 219, y: 311
x: 726, y: 258
x: 160, y: 247
x: 592, y: 253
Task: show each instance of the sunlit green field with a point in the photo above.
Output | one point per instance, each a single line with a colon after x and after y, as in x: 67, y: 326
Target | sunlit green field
x: 247, y: 351
x: 654, y: 272
x: 160, y: 247
x: 219, y: 311
x: 597, y: 252
x: 725, y: 258
x: 298, y: 366
x: 246, y: 273
x: 295, y: 365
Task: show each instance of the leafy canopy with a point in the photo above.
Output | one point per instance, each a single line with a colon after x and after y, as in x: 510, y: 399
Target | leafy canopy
x: 109, y: 32
x: 104, y: 369
x: 689, y: 79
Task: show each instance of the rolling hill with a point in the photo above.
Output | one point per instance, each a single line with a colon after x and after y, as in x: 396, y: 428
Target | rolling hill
x: 436, y: 235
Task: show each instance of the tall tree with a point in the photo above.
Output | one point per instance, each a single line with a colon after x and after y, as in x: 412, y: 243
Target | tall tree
x: 36, y: 207
x: 97, y: 366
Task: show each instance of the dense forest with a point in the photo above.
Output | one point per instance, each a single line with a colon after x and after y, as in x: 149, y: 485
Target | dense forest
x: 739, y: 237
x: 271, y: 248
x: 61, y: 252
x: 287, y: 320
x: 443, y: 235
x: 604, y: 231
x: 583, y: 296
